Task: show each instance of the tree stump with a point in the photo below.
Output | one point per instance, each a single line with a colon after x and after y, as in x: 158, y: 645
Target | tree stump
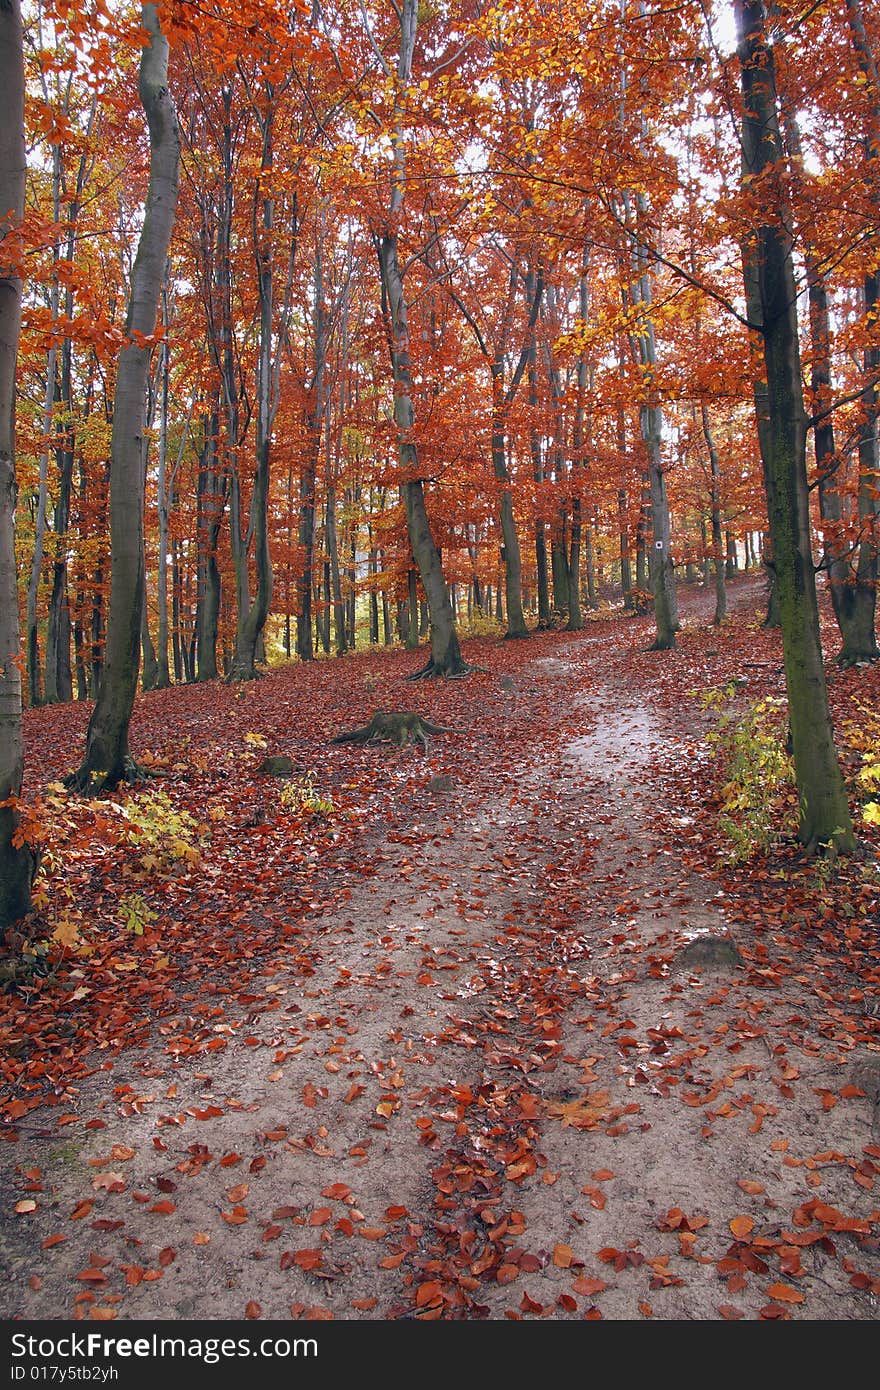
x: 394, y: 726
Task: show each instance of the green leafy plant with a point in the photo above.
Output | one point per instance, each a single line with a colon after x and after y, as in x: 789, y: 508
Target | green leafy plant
x: 863, y: 735
x: 759, y: 773
x: 135, y: 914
x: 168, y: 838
x: 303, y: 798
x: 481, y: 624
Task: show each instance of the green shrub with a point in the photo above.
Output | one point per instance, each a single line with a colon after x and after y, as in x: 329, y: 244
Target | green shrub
x: 304, y: 800
x: 756, y: 806
x: 167, y: 838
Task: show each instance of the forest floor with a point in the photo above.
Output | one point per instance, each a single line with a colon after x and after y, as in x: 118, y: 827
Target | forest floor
x: 447, y: 1049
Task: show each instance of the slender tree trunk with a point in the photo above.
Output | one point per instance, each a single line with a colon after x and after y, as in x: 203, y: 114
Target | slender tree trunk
x: 33, y: 647
x: 212, y: 484
x: 352, y: 499
x: 150, y: 664
x: 323, y: 619
x: 33, y: 655
x: 581, y: 449
x: 516, y: 618
x: 661, y: 575
x: 411, y: 640
x: 335, y: 584
x: 107, y: 757
x: 58, y: 681
x: 715, y: 501
x: 643, y: 536
x: 446, y: 658
x: 309, y: 478
x: 823, y: 809
x: 163, y: 677
x: 559, y: 565
x: 177, y: 648
x: 590, y: 563
x: 387, y: 637
x: 502, y: 400
x: 542, y: 572
x: 250, y: 627
x: 860, y: 636
x: 16, y: 861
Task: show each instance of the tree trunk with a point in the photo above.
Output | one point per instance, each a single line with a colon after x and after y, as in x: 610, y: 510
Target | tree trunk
x: 332, y: 544
x: 823, y: 810
x: 249, y: 631
x: 860, y: 637
x: 212, y: 484
x: 59, y: 681
x: 163, y: 678
x: 559, y: 565
x: 309, y: 477
x: 516, y: 618
x: 16, y: 861
x: 150, y: 665
x: 581, y: 450
x: 446, y: 658
x: 717, y: 538
x: 106, y: 756
x: 661, y: 574
x: 33, y: 647
x: 542, y: 573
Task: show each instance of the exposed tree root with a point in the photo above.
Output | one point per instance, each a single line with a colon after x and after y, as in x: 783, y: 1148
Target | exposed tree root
x: 848, y: 659
x: 838, y: 846
x: 431, y: 671
x: 243, y: 673
x: 92, y: 783
x: 398, y: 727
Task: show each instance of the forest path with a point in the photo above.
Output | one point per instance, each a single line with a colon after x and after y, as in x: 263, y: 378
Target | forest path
x: 471, y: 1074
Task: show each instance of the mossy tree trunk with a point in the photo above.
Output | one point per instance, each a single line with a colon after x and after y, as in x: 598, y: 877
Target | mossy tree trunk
x: 824, y: 813
x: 16, y: 861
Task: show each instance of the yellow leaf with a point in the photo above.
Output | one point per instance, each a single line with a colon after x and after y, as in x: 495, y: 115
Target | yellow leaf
x: 66, y: 933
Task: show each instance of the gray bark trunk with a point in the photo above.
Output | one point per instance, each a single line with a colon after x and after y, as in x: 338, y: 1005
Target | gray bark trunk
x: 715, y: 502
x: 309, y: 479
x: 661, y: 575
x: 446, y: 658
x: 860, y: 637
x: 107, y: 759
x: 251, y: 623
x: 211, y: 502
x: 843, y: 585
x: 16, y: 862
x: 823, y: 810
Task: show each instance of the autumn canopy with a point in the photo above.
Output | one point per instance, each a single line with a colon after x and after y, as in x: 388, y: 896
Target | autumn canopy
x: 439, y: 445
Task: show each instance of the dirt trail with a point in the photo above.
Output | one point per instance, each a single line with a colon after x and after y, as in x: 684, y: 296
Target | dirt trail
x: 479, y: 1062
